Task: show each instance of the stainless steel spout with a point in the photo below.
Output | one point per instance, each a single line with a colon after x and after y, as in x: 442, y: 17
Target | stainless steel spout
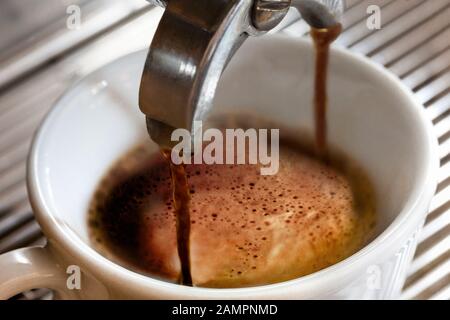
x: 194, y: 41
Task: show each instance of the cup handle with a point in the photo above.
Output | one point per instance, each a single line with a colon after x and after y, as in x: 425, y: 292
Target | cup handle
x: 30, y: 268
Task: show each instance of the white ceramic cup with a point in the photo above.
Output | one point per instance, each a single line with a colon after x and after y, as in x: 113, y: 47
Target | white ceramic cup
x: 372, y: 117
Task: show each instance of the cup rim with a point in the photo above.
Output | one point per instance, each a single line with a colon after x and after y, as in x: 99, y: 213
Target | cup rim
x: 383, y: 243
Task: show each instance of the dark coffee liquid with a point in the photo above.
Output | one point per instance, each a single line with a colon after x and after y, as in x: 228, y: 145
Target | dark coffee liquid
x: 322, y: 40
x: 181, y: 201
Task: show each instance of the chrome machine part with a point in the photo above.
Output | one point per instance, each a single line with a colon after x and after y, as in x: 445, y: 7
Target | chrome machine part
x: 193, y: 44
x: 320, y: 13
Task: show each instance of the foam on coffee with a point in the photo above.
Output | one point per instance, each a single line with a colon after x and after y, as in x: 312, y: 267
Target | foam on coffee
x: 246, y: 229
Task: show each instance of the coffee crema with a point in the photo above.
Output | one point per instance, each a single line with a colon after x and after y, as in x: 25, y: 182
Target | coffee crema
x: 245, y: 229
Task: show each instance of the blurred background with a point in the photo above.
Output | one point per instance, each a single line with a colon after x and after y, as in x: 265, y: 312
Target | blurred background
x: 44, y: 49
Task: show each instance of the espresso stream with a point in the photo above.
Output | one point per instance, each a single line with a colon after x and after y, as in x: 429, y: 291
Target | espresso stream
x: 236, y: 227
x: 322, y: 39
x: 181, y: 199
